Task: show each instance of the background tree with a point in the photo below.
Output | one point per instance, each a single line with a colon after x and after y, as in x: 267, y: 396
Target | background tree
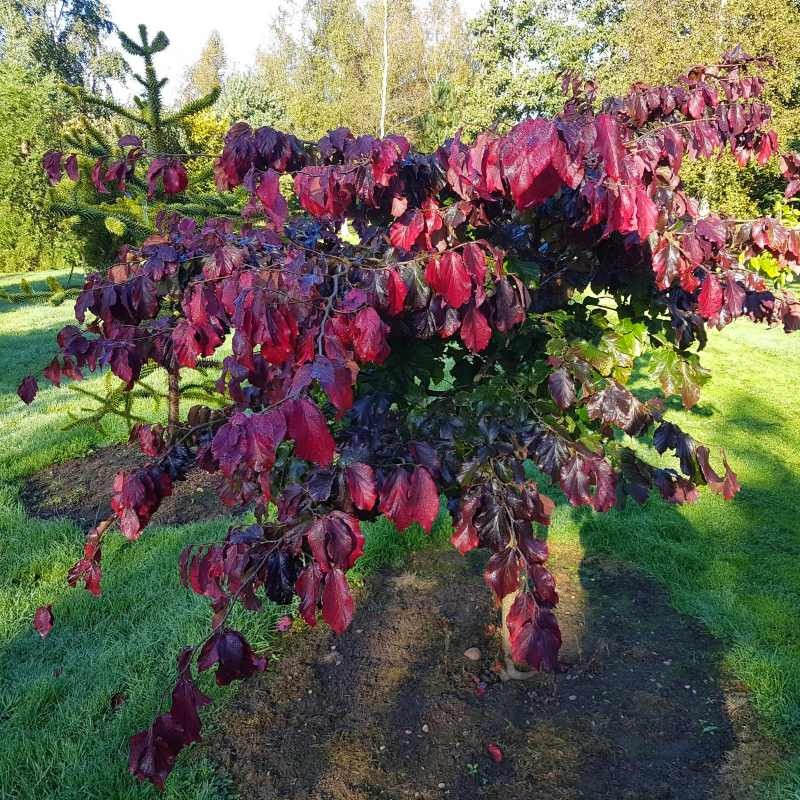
x: 31, y: 236
x: 158, y: 136
x: 208, y: 72
x: 63, y: 38
x: 339, y: 52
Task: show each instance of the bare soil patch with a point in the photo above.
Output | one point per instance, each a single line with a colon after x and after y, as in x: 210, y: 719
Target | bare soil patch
x: 80, y: 489
x: 389, y: 709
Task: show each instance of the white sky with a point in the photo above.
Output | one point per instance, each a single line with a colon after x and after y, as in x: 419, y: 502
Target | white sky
x: 243, y: 24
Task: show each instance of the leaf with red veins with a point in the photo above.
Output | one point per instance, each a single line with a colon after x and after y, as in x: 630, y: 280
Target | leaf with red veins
x: 502, y: 573
x: 406, y: 230
x: 27, y: 389
x: 609, y: 144
x: 308, y: 429
x: 465, y: 535
x: 309, y: 589
x: 278, y: 335
x: 709, y: 301
x: 727, y: 486
x: 337, y: 602
x: 735, y: 296
x: 495, y: 753
x: 369, y: 333
x: 562, y: 388
x: 360, y: 479
x: 448, y: 276
x: 534, y: 634
x: 269, y: 193
x: 43, y: 620
x: 529, y: 155
x: 475, y: 330
x: 232, y: 652
x: 534, y: 551
x: 87, y: 570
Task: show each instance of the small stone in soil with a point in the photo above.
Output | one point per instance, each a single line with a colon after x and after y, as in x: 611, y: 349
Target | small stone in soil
x: 441, y: 786
x: 472, y: 654
x: 425, y: 728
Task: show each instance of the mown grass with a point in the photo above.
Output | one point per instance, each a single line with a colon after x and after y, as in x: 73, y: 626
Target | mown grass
x: 69, y: 704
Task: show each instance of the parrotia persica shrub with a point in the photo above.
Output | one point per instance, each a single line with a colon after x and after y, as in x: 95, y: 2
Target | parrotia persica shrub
x: 490, y: 315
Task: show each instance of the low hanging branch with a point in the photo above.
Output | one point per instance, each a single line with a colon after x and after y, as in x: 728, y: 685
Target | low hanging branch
x: 488, y: 319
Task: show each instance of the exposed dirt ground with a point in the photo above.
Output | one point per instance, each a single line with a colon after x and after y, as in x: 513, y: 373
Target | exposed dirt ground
x: 80, y: 489
x: 389, y: 709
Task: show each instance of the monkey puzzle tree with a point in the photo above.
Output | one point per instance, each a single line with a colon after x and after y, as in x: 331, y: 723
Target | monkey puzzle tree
x: 487, y: 320
x: 115, y: 200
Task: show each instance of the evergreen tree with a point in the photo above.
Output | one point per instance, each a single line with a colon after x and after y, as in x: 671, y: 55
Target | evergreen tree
x: 157, y: 136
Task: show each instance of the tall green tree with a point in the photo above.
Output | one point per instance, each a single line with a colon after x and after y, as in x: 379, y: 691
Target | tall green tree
x: 331, y: 73
x: 63, y: 38
x: 108, y: 218
x: 30, y: 237
x: 208, y: 72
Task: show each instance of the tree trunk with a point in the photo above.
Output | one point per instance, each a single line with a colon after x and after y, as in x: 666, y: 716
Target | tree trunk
x: 511, y: 672
x: 174, y: 403
x: 385, y: 74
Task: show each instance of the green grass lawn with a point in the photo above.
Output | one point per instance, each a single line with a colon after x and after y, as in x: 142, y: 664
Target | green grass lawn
x: 734, y: 566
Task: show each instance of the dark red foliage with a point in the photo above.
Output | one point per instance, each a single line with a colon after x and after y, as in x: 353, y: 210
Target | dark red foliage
x: 465, y: 334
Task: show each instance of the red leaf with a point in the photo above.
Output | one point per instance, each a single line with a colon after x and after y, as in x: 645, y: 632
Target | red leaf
x: 709, y: 301
x: 502, y: 573
x: 27, y: 389
x: 465, y: 535
x: 175, y: 177
x: 308, y: 429
x: 475, y: 330
x: 269, y: 193
x: 424, y: 498
x: 610, y: 145
x: 646, y: 213
x: 528, y: 154
x: 309, y: 589
x: 51, y: 163
x: 234, y: 656
x: 360, y: 480
x: 396, y: 291
x: 495, y: 753
x: 43, y: 620
x: 406, y: 500
x: 71, y: 167
x: 534, y: 634
x: 369, y: 336
x: 561, y: 388
x: 448, y: 277
x: 404, y: 233
x: 337, y: 602
x: 96, y: 176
